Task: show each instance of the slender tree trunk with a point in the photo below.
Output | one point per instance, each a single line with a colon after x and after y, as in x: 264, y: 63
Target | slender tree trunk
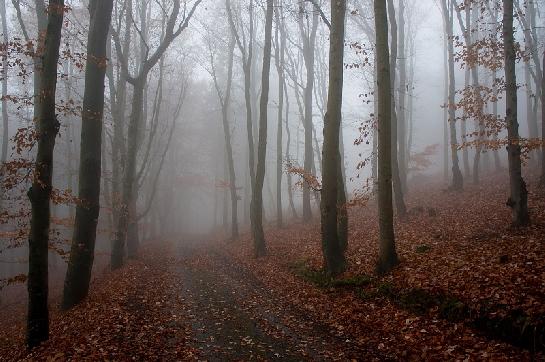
x: 446, y: 108
x: 518, y: 200
x: 288, y: 156
x: 78, y: 275
x: 280, y: 40
x: 40, y: 192
x: 401, y: 129
x: 309, y: 42
x: 5, y: 120
x: 543, y: 123
x: 387, y: 258
x: 448, y: 18
x: 257, y: 199
x: 397, y: 183
x: 333, y: 251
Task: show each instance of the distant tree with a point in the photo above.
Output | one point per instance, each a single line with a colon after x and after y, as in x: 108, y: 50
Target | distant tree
x: 225, y: 102
x: 396, y: 177
x: 518, y: 200
x: 280, y: 57
x: 457, y: 177
x: 78, y: 274
x: 257, y: 196
x: 332, y: 248
x: 40, y: 191
x: 387, y: 251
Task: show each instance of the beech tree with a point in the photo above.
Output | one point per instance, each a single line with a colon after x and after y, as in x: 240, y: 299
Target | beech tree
x: 332, y: 247
x: 78, y: 274
x: 257, y: 195
x: 387, y: 258
x: 518, y: 199
x: 40, y: 191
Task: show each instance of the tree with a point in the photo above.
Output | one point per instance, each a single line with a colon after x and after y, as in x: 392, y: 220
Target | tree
x: 518, y: 200
x: 543, y: 123
x: 387, y: 251
x: 257, y: 195
x: 308, y: 37
x: 332, y: 249
x: 225, y: 101
x: 78, y: 274
x: 40, y: 191
x: 280, y: 55
x: 5, y: 119
x: 396, y: 177
x: 457, y: 178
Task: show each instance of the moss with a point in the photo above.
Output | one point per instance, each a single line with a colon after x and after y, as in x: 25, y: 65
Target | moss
x: 453, y: 310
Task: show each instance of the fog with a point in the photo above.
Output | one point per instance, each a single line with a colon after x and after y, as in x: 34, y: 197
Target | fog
x: 169, y: 157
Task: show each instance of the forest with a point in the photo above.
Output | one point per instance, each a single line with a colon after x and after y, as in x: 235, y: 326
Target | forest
x: 301, y: 180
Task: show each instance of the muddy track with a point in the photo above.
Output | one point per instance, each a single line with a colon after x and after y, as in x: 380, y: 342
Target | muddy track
x: 234, y: 317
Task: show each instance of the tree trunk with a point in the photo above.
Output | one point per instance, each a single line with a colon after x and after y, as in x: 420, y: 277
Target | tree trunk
x: 309, y: 42
x: 288, y: 157
x: 387, y: 258
x: 333, y: 252
x: 518, y: 200
x: 543, y: 123
x: 40, y: 191
x: 280, y: 50
x: 457, y: 177
x: 401, y: 129
x: 257, y: 198
x: 5, y: 123
x: 397, y: 184
x: 78, y: 275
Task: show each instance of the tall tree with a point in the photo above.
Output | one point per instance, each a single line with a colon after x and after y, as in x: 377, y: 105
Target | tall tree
x: 4, y: 75
x: 448, y: 19
x: 78, y: 274
x: 333, y: 252
x: 396, y: 177
x: 543, y: 123
x: 257, y: 196
x: 518, y: 200
x: 40, y: 191
x: 387, y: 251
x: 280, y: 56
x: 225, y: 102
x: 308, y: 37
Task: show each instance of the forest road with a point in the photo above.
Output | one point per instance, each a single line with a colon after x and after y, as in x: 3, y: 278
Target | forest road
x: 234, y: 317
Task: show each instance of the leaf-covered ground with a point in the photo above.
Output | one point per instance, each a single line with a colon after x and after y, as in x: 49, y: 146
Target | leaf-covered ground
x: 469, y: 287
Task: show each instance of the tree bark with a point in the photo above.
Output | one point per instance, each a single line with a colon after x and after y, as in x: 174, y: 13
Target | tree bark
x: 40, y: 191
x: 518, y: 200
x: 257, y: 197
x: 448, y: 19
x: 387, y: 258
x: 332, y: 250
x: 5, y: 119
x: 78, y: 274
x: 309, y: 42
x: 397, y: 183
x: 280, y: 50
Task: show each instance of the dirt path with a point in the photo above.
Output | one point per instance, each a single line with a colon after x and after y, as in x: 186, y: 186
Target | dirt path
x: 233, y: 317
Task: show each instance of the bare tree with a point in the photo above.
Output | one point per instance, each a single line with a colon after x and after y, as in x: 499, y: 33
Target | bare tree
x: 387, y: 251
x: 40, y: 191
x: 78, y: 275
x: 518, y: 200
x: 257, y: 196
x: 332, y: 249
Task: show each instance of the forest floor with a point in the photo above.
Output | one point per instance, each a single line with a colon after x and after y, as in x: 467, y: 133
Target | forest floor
x: 469, y: 287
